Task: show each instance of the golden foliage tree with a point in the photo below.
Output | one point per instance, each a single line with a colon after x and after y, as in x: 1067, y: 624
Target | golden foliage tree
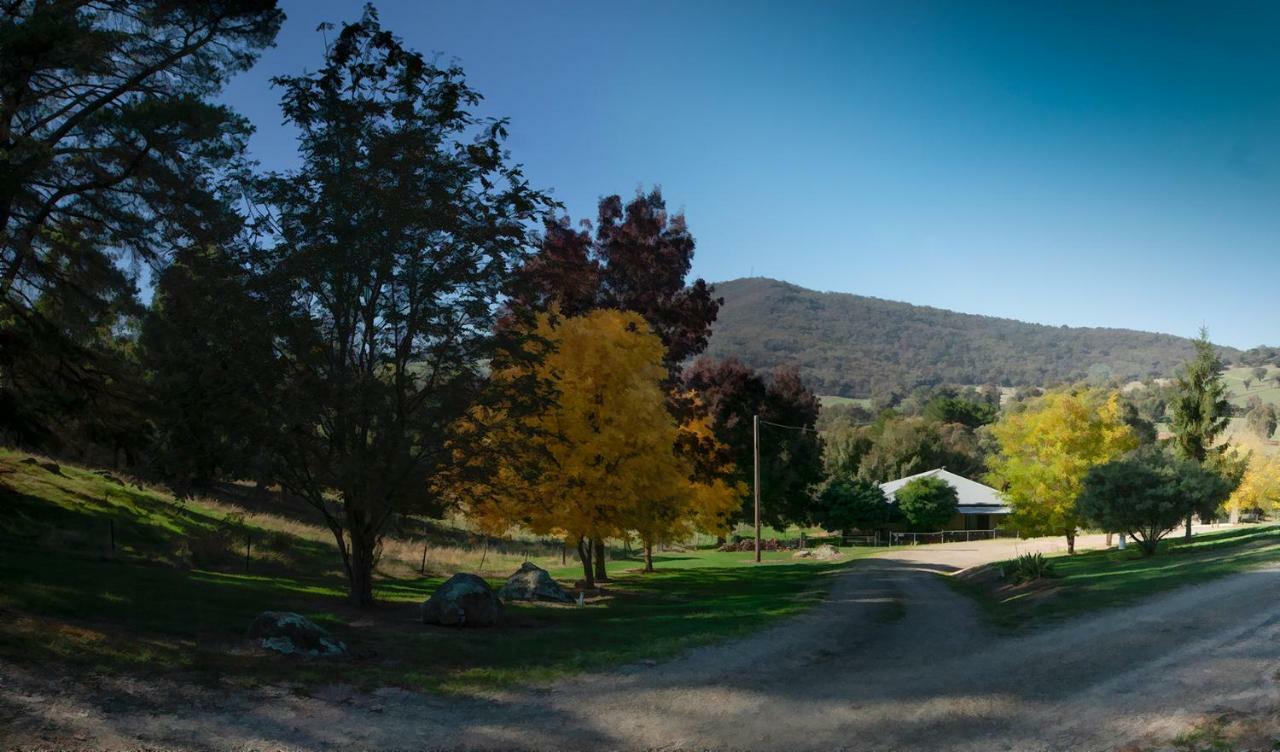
x: 1259, y: 489
x: 1047, y: 448
x: 601, y: 460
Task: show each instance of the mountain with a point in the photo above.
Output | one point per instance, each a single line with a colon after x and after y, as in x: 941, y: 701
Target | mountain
x: 857, y: 346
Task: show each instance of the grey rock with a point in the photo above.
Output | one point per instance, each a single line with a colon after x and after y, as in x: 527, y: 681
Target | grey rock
x: 464, y: 600
x: 293, y: 634
x: 533, y: 583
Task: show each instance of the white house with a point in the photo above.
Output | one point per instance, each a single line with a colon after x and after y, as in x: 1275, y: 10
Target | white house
x: 980, y: 507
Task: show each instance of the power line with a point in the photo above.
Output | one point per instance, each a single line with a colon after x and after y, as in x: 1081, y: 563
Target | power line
x: 793, y: 428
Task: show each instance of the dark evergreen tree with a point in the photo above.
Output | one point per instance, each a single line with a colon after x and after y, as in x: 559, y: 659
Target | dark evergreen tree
x: 845, y: 505
x: 1199, y: 410
x: 212, y: 375
x: 109, y: 142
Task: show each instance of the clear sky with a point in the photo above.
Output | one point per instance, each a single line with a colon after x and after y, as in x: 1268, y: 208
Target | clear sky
x: 1108, y: 164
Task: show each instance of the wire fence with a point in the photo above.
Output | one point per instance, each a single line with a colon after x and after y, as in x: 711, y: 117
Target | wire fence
x: 948, y: 536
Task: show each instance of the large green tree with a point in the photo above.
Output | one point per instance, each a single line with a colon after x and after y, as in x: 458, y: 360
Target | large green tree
x: 109, y: 141
x: 927, y: 503
x: 395, y: 240
x: 906, y: 446
x: 1146, y: 494
x: 208, y: 350
x: 844, y: 505
x: 1199, y: 409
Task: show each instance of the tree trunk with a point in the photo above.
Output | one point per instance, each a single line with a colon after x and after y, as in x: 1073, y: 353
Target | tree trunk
x: 1234, y: 519
x: 1187, y: 534
x: 602, y: 574
x: 584, y: 554
x: 648, y: 557
x: 1071, y: 541
x: 360, y: 571
x: 1108, y: 543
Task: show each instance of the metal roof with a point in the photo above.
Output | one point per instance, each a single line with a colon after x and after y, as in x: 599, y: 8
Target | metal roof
x: 974, y: 497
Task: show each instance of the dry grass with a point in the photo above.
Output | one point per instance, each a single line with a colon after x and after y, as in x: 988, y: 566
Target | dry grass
x: 402, y: 556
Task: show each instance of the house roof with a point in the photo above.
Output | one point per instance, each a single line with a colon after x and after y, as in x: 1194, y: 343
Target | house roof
x: 973, y: 497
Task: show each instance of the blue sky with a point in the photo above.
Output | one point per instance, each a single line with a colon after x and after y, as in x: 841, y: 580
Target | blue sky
x: 1089, y: 164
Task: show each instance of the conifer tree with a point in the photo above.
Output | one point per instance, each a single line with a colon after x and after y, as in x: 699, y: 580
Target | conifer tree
x: 1199, y: 411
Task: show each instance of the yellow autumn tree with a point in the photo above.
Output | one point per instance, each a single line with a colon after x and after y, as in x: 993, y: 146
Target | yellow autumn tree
x: 670, y: 512
x: 1047, y: 448
x: 600, y: 460
x: 1259, y: 489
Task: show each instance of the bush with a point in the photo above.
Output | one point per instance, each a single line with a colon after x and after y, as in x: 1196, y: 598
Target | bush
x: 927, y: 503
x: 1031, y: 567
x: 1148, y: 493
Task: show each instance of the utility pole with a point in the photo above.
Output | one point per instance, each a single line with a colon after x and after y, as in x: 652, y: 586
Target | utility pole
x: 755, y: 450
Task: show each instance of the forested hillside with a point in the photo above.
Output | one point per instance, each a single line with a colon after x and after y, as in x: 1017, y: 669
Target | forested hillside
x: 858, y: 346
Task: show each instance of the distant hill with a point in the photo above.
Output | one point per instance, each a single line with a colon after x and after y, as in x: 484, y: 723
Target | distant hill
x: 856, y: 346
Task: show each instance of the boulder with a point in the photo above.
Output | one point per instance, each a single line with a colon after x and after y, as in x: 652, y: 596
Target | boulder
x: 532, y: 583
x: 464, y: 600
x: 826, y: 552
x: 293, y: 634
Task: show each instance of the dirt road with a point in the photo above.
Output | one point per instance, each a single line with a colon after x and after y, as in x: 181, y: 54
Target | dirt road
x: 893, y: 660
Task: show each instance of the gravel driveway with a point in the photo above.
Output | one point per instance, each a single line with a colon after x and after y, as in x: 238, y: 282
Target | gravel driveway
x: 894, y: 659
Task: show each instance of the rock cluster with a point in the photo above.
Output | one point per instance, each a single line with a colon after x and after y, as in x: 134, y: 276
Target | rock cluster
x: 293, y: 634
x: 824, y: 552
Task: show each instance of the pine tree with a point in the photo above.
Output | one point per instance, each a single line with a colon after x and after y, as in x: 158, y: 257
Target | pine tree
x: 1200, y: 411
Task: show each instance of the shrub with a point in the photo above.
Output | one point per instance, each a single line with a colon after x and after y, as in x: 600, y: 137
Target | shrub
x: 1031, y: 567
x: 1148, y: 493
x: 927, y: 503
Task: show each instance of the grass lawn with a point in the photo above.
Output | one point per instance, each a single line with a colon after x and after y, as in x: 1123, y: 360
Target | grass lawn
x: 832, y: 400
x: 1102, y: 579
x: 176, y: 596
x: 1266, y: 390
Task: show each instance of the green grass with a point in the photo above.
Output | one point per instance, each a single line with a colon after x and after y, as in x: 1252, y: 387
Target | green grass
x: 1267, y: 390
x: 155, y: 606
x: 1102, y: 579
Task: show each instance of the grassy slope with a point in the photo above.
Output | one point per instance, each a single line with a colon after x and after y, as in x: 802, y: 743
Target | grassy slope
x: 1267, y: 390
x: 161, y: 605
x: 1101, y: 579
